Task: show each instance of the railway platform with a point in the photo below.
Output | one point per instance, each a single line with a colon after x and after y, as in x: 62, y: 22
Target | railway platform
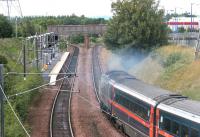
x: 57, y: 68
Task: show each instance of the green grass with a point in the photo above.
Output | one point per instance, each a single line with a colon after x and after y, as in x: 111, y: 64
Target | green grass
x: 172, y: 67
x: 10, y: 49
x: 181, y: 73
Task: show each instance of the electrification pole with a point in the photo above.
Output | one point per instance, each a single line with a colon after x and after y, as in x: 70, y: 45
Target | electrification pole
x: 24, y: 58
x: 176, y: 21
x: 191, y: 17
x: 1, y: 102
x: 16, y: 29
x: 36, y: 51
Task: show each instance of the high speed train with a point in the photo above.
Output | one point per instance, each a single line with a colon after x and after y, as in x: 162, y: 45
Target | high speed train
x: 143, y: 110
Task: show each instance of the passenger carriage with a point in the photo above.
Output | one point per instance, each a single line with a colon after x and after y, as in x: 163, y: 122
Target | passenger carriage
x: 145, y: 110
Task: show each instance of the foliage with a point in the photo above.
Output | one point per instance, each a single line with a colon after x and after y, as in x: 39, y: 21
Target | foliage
x: 27, y: 28
x: 137, y: 23
x: 63, y: 44
x: 76, y: 39
x: 181, y: 72
x: 181, y: 30
x: 5, y: 27
x: 172, y: 59
x: 93, y: 37
x: 38, y: 24
x: 172, y: 67
x: 10, y: 48
x: 3, y: 60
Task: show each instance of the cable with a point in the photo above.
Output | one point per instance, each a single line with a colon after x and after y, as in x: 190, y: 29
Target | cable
x: 109, y: 114
x: 17, y: 73
x: 23, y: 92
x: 14, y: 112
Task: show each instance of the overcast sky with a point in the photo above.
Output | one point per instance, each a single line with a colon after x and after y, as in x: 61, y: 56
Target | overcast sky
x: 89, y: 8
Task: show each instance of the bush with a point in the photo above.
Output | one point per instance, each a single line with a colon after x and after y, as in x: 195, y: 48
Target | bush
x: 76, y: 39
x: 3, y: 60
x: 172, y: 59
x: 6, y: 29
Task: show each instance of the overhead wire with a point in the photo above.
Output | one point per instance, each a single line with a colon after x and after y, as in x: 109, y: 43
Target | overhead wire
x: 14, y: 112
x: 35, y: 73
x: 107, y: 113
x: 27, y: 91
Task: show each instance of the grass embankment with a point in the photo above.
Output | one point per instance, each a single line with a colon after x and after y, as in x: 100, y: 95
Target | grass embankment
x: 10, y: 48
x: 175, y: 70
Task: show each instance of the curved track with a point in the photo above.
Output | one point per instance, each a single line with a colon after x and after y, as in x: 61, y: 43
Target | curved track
x: 96, y: 70
x: 60, y: 123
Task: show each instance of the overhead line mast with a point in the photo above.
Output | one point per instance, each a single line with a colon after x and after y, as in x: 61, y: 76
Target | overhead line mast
x: 11, y: 4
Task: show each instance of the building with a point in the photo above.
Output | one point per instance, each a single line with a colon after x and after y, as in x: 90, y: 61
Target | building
x: 184, y: 22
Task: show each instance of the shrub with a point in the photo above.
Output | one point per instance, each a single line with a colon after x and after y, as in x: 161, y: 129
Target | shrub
x: 172, y: 59
x: 3, y: 60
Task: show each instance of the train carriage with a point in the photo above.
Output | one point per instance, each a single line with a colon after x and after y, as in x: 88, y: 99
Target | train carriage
x: 138, y: 107
x: 178, y: 118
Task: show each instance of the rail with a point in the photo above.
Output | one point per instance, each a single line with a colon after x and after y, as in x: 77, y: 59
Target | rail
x: 96, y: 70
x: 58, y: 114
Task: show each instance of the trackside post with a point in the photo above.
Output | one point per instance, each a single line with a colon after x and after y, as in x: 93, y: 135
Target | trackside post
x: 1, y: 102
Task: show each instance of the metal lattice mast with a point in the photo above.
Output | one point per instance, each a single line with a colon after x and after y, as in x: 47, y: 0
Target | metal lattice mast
x: 10, y: 4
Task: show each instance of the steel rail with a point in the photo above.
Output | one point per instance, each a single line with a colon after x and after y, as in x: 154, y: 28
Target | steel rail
x: 59, y: 94
x: 69, y: 109
x: 95, y: 59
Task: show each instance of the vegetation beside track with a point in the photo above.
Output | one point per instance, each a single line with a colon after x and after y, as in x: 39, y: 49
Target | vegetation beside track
x: 10, y: 50
x: 174, y: 68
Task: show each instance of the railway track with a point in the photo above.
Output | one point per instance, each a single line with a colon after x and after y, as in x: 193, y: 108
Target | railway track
x: 96, y: 70
x: 60, y: 123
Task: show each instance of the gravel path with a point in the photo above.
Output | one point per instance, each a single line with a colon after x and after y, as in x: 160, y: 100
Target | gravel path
x: 87, y: 119
x: 39, y: 113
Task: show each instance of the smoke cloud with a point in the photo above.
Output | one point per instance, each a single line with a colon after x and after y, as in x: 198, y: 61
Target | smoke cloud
x: 137, y: 63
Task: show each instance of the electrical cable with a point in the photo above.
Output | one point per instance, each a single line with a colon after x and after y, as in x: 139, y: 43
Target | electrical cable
x: 14, y: 112
x: 17, y: 73
x: 24, y: 92
x: 109, y: 114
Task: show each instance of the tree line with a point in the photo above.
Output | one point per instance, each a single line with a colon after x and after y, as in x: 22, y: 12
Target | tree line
x: 28, y: 26
x: 135, y: 23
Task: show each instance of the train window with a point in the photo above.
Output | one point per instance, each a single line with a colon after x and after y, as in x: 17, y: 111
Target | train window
x: 184, y: 131
x: 125, y: 102
x: 121, y: 100
x: 132, y: 104
x: 165, y: 124
x: 175, y: 128
x: 139, y: 110
x: 117, y: 98
x: 194, y: 133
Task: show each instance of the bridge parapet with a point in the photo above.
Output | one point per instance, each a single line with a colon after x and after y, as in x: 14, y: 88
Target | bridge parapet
x: 68, y: 30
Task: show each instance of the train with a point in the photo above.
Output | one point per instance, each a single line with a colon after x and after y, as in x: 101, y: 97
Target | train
x: 144, y: 110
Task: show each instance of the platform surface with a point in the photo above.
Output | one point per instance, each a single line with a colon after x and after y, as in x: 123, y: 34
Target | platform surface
x: 57, y: 68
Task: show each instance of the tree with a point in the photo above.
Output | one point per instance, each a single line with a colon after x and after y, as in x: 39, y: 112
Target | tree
x: 27, y: 28
x: 5, y: 27
x: 136, y: 23
x: 3, y: 60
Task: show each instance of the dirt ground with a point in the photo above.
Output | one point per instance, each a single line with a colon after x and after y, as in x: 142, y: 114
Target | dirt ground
x: 40, y: 111
x: 87, y: 119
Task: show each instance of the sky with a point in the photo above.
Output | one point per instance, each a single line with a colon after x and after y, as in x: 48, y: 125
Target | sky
x: 89, y: 8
